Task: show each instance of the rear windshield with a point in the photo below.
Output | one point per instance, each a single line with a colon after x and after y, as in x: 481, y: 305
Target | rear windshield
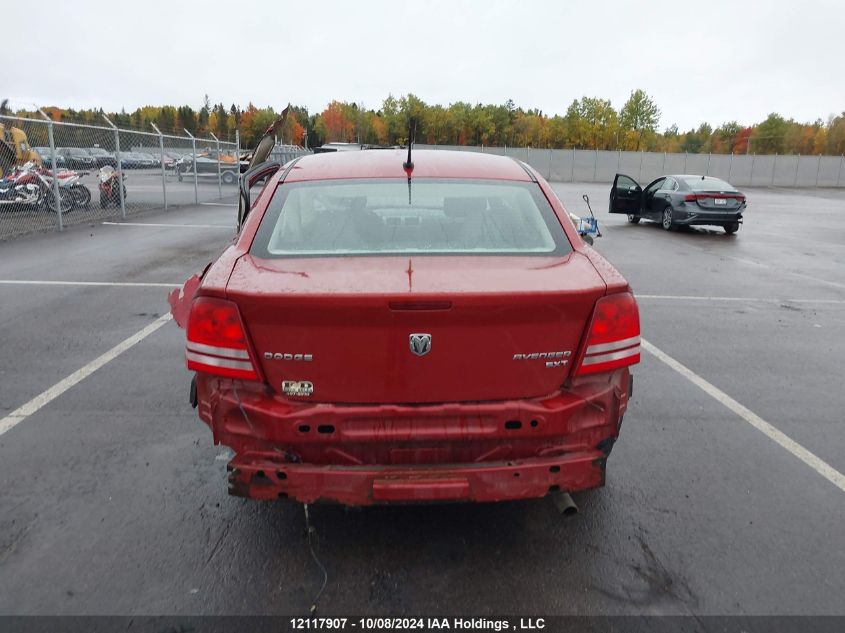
x: 382, y: 217
x: 708, y: 183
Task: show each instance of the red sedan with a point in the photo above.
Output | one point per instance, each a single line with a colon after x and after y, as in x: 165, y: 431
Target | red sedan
x: 430, y: 332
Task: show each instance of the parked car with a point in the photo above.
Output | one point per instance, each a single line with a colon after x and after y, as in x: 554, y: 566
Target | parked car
x: 46, y: 157
x: 679, y: 200
x: 145, y: 160
x: 149, y: 160
x: 171, y: 159
x: 103, y: 157
x: 77, y: 158
x: 205, y: 165
x: 338, y: 147
x: 381, y: 334
x: 128, y: 160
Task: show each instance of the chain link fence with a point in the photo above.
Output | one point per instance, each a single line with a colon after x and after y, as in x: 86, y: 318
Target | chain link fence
x: 161, y: 171
x: 742, y: 170
x: 157, y: 171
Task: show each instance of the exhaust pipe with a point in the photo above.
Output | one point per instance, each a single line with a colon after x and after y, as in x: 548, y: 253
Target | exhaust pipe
x: 564, y: 504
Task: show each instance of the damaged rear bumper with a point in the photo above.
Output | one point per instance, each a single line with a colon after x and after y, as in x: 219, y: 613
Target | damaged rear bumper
x: 391, y: 453
x: 258, y: 477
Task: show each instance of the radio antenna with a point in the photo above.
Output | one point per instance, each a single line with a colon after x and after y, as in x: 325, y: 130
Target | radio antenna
x: 408, y: 165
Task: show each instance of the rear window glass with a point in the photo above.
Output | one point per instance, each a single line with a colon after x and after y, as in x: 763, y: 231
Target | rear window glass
x: 381, y: 217
x: 708, y: 183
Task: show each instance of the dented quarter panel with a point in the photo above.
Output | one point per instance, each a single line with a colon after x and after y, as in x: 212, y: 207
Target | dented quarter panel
x: 180, y: 300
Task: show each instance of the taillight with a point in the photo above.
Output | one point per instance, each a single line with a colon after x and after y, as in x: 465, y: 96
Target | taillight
x: 614, y: 337
x: 692, y: 197
x: 217, y: 340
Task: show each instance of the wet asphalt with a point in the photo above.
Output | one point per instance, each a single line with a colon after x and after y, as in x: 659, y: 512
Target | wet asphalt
x: 113, y: 498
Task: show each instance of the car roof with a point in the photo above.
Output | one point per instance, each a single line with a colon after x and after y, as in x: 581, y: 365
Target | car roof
x: 693, y: 176
x: 388, y: 164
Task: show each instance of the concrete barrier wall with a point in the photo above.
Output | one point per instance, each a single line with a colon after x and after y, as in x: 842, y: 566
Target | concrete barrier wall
x: 742, y: 170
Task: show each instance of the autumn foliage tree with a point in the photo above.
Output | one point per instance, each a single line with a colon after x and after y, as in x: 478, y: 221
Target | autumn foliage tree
x: 586, y: 123
x: 638, y: 117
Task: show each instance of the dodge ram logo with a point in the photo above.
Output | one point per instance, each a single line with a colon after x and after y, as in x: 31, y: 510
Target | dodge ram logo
x: 420, y: 344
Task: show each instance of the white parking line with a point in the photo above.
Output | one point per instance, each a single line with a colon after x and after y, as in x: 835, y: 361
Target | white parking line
x: 219, y: 204
x: 763, y: 299
x: 124, y: 284
x: 826, y: 282
x: 23, y: 412
x: 751, y: 262
x: 178, y: 226
x: 816, y: 463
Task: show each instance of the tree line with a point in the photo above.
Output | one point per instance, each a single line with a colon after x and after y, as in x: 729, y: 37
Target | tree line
x: 588, y: 123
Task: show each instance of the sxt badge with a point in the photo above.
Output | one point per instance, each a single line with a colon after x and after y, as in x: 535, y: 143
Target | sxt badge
x: 297, y: 388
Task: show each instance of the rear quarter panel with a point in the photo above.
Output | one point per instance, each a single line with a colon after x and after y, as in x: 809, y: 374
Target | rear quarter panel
x: 613, y: 279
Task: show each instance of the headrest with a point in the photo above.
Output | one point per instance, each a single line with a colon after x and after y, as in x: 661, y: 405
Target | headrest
x: 355, y: 203
x: 463, y: 206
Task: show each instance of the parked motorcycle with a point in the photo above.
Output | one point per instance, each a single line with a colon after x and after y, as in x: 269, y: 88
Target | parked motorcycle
x: 109, y: 183
x: 70, y: 183
x: 81, y: 195
x: 28, y: 187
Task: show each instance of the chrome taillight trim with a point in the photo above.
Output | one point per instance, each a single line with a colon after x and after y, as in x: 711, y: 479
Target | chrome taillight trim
x: 213, y: 361
x: 606, y: 358
x: 226, y: 352
x: 614, y: 345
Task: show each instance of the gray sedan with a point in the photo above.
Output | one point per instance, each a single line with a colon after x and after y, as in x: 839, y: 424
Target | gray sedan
x: 679, y: 200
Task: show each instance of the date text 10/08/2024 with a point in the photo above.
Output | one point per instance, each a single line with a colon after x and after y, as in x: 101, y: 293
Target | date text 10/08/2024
x: 418, y: 624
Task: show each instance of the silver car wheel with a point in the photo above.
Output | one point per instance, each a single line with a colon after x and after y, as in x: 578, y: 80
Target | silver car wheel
x: 667, y: 218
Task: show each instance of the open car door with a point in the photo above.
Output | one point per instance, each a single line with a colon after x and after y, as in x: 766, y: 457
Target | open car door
x: 259, y: 157
x: 626, y: 196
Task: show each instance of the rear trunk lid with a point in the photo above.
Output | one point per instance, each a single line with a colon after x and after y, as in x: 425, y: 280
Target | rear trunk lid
x: 717, y: 201
x: 499, y: 327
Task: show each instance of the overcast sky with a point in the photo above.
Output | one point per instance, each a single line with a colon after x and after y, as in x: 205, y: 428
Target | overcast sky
x: 707, y: 60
